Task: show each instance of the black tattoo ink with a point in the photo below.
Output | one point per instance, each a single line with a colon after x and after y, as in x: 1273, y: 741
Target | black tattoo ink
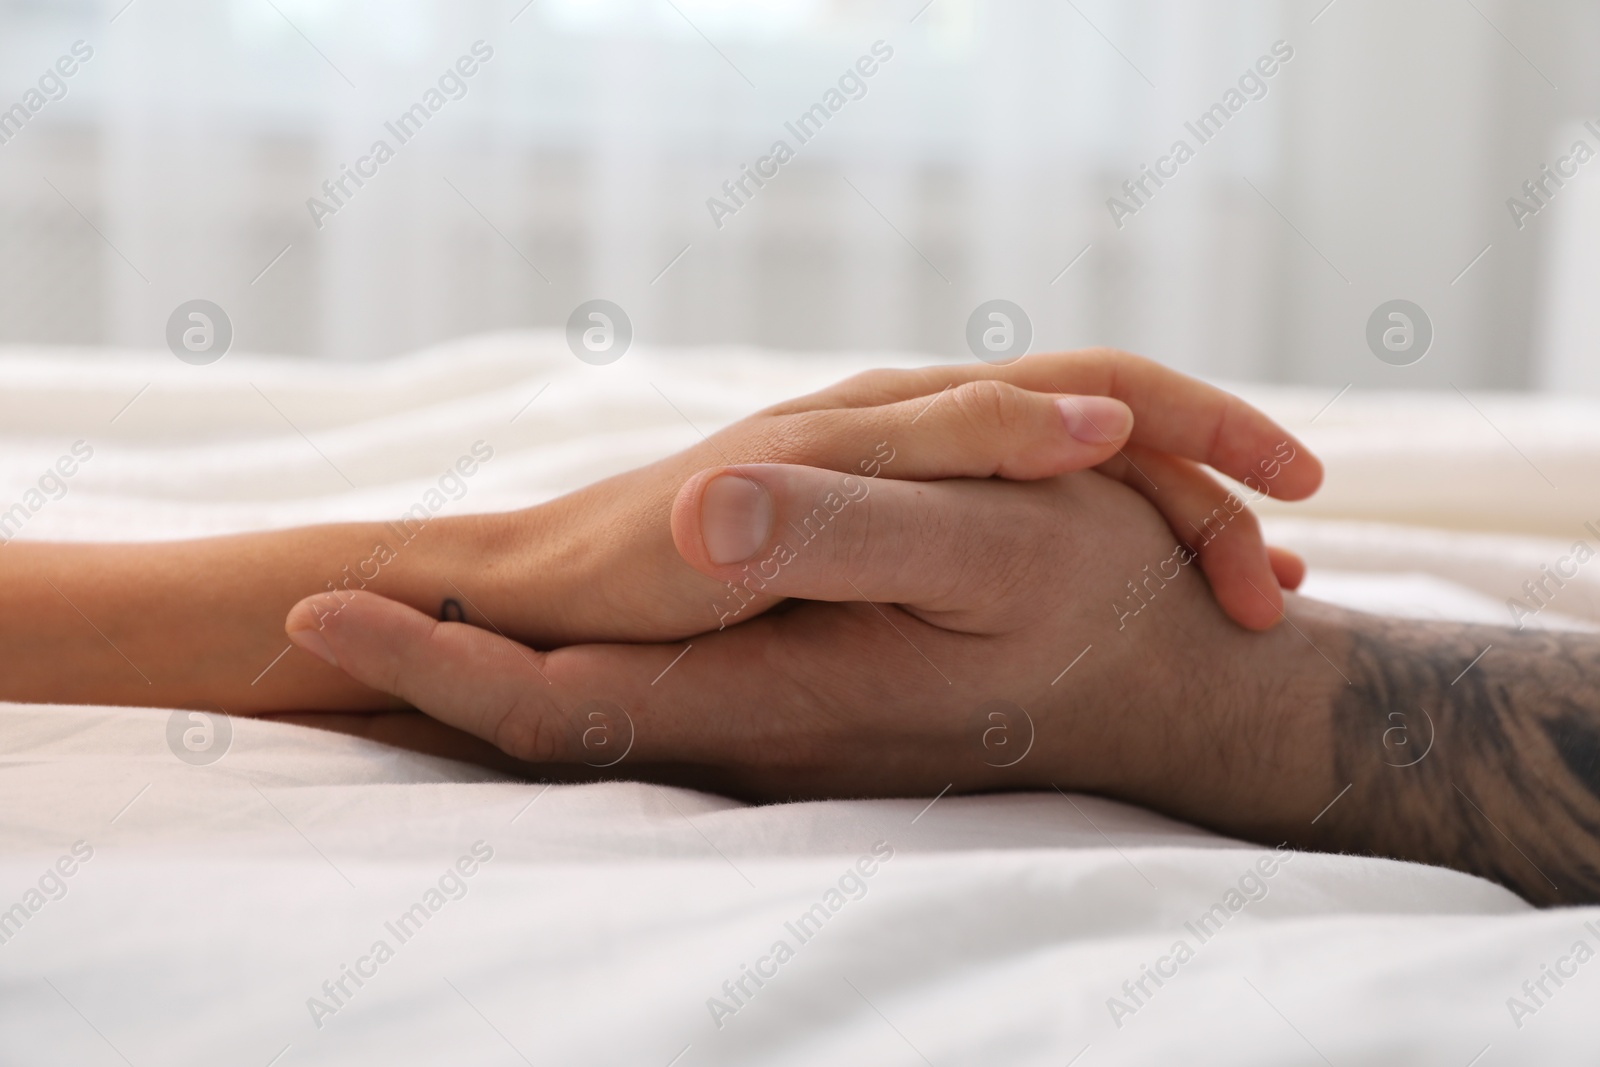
x: 1510, y: 788
x: 451, y: 611
x: 1577, y: 738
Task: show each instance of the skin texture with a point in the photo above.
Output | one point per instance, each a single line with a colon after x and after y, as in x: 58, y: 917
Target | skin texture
x: 943, y: 642
x: 1493, y: 768
x: 975, y: 621
x: 978, y: 635
x: 200, y: 623
x: 190, y: 624
x: 615, y: 576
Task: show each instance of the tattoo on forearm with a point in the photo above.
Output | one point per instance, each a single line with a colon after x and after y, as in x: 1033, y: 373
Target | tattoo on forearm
x: 1492, y: 768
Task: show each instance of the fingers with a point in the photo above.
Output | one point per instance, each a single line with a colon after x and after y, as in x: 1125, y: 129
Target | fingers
x: 1172, y: 412
x: 1289, y: 568
x: 976, y: 430
x: 590, y: 704
x: 778, y: 530
x: 1216, y: 524
x: 469, y: 678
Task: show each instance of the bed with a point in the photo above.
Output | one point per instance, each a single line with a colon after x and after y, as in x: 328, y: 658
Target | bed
x: 232, y: 910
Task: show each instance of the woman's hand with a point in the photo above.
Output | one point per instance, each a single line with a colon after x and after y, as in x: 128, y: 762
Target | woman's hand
x: 599, y: 564
x: 201, y: 623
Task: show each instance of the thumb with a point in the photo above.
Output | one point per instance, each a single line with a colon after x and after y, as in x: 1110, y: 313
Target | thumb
x: 781, y: 530
x: 469, y: 678
x: 581, y: 703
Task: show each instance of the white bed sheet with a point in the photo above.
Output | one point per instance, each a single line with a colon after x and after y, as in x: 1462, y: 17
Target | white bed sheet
x: 218, y: 899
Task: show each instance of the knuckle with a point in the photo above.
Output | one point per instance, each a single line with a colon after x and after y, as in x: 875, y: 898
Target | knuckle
x: 882, y: 386
x: 874, y: 381
x: 1104, y: 354
x: 862, y: 389
x: 780, y: 409
x: 986, y: 405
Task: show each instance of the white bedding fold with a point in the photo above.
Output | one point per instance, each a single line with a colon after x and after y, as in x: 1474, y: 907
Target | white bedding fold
x: 218, y: 899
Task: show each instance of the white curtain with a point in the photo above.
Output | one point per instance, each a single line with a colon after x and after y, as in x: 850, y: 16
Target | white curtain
x: 977, y: 165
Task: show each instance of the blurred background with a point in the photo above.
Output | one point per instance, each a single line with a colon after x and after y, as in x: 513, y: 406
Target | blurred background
x: 179, y: 159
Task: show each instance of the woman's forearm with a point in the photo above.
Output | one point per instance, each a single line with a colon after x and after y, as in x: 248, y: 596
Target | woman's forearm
x: 200, y: 623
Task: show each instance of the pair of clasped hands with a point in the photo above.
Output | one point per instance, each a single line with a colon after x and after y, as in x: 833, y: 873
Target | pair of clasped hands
x: 854, y: 575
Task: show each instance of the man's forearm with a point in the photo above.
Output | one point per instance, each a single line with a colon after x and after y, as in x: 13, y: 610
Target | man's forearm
x: 199, y: 623
x: 1470, y: 747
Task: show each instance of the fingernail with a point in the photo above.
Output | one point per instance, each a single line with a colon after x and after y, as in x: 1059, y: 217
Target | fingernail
x: 1095, y: 420
x: 314, y: 643
x: 735, y: 517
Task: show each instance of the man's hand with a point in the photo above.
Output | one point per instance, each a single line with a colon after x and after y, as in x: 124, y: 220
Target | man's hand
x: 1020, y: 657
x: 598, y: 565
x: 984, y: 635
